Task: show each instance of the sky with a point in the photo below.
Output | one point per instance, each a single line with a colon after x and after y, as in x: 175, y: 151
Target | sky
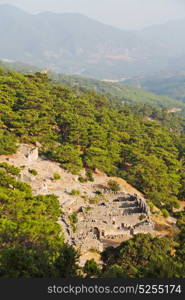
x: 125, y: 14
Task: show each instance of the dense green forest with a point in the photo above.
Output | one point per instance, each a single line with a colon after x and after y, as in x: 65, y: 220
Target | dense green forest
x: 84, y: 130
x: 145, y: 146
x: 141, y: 144
x: 31, y: 240
x: 117, y: 90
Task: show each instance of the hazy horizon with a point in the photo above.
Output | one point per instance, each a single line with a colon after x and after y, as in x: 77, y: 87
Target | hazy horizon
x: 125, y: 14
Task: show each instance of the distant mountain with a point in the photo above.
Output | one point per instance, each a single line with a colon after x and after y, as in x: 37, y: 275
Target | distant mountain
x: 75, y: 44
x: 167, y: 39
x: 65, y: 42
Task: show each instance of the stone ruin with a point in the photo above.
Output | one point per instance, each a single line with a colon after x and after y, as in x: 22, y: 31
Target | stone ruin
x: 32, y: 155
x: 120, y: 218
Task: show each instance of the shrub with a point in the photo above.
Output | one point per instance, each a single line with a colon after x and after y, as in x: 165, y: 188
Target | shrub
x: 142, y: 217
x: 91, y: 268
x: 10, y: 169
x: 176, y: 204
x: 73, y: 221
x: 95, y: 200
x: 165, y: 213
x: 151, y: 205
x: 74, y: 192
x: 98, y: 192
x: 114, y: 186
x: 33, y: 172
x: 89, y: 175
x: 56, y: 176
x: 158, y: 213
x: 87, y: 209
x: 82, y: 179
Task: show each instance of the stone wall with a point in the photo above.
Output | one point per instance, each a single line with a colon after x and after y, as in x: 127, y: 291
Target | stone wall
x: 115, y: 219
x: 32, y: 154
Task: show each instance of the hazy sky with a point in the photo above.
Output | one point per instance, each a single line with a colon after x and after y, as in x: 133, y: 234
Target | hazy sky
x: 128, y: 14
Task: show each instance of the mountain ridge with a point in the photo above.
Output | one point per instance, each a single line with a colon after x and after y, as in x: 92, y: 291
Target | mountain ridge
x: 76, y: 44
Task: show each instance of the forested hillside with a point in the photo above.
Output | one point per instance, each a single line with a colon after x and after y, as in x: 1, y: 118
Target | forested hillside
x: 85, y: 130
x: 143, y: 145
x: 19, y: 67
x: 115, y: 90
x: 169, y: 84
x: 32, y: 243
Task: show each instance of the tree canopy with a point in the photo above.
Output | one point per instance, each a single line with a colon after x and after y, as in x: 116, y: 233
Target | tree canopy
x: 141, y: 144
x: 86, y: 130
